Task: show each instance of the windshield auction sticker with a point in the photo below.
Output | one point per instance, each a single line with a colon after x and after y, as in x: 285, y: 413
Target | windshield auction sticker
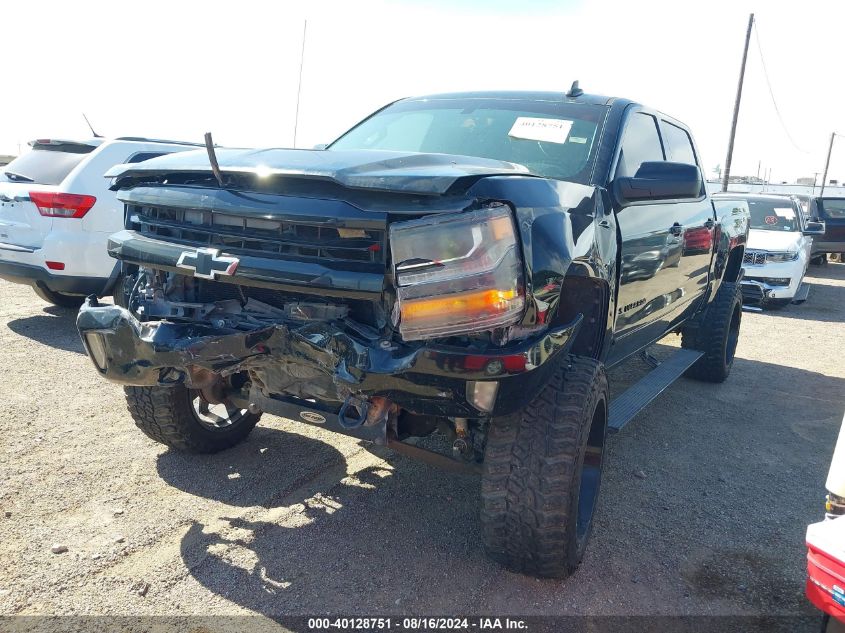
x: 536, y: 129
x: 785, y: 212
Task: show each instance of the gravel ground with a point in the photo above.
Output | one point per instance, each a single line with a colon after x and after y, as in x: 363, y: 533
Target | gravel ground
x: 301, y: 521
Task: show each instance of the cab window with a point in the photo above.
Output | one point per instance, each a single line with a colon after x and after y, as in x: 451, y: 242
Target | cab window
x: 678, y: 144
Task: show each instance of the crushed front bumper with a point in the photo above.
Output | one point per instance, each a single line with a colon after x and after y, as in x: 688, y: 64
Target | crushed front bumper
x: 321, y: 364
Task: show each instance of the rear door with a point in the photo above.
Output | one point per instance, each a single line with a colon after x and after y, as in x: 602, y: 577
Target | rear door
x: 695, y: 217
x: 42, y: 169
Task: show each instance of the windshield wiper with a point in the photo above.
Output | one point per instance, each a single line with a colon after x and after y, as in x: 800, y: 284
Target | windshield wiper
x: 17, y: 177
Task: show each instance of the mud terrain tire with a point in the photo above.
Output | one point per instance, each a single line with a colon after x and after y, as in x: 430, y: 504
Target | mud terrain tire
x: 542, y: 470
x: 167, y: 415
x: 717, y: 336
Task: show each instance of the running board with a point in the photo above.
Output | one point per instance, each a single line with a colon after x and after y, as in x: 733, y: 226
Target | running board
x: 802, y: 293
x: 626, y: 407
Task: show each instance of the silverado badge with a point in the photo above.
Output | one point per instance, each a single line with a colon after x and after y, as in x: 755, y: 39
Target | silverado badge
x: 207, y: 264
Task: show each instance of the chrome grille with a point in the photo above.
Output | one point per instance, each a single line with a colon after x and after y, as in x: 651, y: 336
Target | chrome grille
x: 755, y: 258
x: 257, y: 235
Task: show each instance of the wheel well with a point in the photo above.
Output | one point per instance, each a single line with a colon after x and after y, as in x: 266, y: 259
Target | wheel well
x: 734, y: 264
x: 587, y: 296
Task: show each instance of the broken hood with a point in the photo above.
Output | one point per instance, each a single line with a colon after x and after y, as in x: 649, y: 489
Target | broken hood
x: 405, y: 172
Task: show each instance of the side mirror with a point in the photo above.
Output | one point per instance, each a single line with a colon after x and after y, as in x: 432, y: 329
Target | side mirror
x: 659, y: 180
x: 320, y: 146
x: 814, y: 228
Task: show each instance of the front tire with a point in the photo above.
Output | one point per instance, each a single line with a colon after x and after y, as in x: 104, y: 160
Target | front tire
x: 174, y: 416
x: 542, y: 470
x: 120, y: 293
x: 58, y: 298
x: 717, y: 336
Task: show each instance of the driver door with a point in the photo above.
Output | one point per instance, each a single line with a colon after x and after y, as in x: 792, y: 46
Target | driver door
x: 652, y: 242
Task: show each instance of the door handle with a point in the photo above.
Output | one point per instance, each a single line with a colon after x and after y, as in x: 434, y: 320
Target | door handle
x: 676, y: 229
x: 604, y: 224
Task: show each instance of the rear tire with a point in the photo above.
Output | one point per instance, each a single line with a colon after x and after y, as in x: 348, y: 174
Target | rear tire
x: 168, y: 416
x: 542, y: 470
x: 717, y: 336
x: 819, y: 260
x: 57, y: 298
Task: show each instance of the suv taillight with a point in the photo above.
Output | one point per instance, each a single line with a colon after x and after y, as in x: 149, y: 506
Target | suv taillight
x: 52, y: 204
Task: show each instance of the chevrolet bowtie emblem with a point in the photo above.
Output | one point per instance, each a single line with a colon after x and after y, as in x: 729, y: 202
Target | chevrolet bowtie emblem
x: 206, y: 263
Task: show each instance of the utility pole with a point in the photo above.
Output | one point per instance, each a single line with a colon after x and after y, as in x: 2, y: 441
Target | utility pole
x: 827, y: 162
x: 727, y: 174
x: 299, y: 89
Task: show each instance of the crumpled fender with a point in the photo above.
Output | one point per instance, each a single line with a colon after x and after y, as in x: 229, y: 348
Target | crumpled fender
x: 556, y: 223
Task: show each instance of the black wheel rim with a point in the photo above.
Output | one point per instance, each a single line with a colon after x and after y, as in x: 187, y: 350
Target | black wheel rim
x: 215, y: 417
x: 588, y: 489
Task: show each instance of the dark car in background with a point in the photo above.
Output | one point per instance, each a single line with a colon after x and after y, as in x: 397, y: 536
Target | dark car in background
x: 831, y: 211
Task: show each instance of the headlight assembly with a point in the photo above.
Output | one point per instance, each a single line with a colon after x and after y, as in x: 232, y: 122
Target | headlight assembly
x: 457, y: 273
x: 784, y: 256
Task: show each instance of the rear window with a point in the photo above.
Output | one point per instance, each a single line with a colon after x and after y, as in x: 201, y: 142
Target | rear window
x: 140, y: 157
x: 678, y: 144
x: 46, y: 165
x: 833, y: 208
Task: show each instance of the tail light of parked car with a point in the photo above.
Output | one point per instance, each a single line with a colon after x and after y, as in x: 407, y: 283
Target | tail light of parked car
x: 457, y: 273
x: 53, y: 204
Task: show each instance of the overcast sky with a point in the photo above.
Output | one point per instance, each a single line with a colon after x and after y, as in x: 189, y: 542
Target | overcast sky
x: 176, y: 69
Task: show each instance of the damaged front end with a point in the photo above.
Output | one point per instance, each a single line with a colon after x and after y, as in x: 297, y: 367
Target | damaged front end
x: 317, y: 371
x: 379, y: 325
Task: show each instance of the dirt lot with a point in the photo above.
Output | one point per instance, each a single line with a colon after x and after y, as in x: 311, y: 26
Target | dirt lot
x: 300, y: 521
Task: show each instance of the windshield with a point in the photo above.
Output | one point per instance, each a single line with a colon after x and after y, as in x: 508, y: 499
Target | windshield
x: 769, y: 215
x: 552, y: 139
x: 43, y: 166
x: 833, y: 208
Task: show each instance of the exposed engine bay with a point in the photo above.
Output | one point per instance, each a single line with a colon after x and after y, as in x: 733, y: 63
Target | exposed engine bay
x: 160, y: 295
x: 154, y: 296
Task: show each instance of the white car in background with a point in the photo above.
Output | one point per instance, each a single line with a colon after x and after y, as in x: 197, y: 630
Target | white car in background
x: 778, y: 250
x: 56, y: 213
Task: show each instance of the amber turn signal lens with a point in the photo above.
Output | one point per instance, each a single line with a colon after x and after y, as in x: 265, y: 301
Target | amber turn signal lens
x: 467, y: 304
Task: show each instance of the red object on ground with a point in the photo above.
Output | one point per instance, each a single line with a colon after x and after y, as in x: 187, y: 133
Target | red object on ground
x: 826, y: 566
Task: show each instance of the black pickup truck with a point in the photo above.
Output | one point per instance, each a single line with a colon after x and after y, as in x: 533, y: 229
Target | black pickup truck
x: 465, y: 265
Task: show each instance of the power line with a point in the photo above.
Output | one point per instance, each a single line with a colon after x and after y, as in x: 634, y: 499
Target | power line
x: 299, y: 88
x: 771, y: 92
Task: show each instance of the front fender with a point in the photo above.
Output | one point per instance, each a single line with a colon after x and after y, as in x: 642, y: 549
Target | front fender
x: 732, y: 224
x: 558, y: 224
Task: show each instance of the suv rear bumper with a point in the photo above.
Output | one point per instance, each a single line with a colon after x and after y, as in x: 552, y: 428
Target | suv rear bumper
x: 327, y: 357
x: 32, y: 275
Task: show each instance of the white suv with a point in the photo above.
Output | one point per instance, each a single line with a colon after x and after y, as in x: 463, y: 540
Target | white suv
x: 56, y: 213
x: 778, y: 250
